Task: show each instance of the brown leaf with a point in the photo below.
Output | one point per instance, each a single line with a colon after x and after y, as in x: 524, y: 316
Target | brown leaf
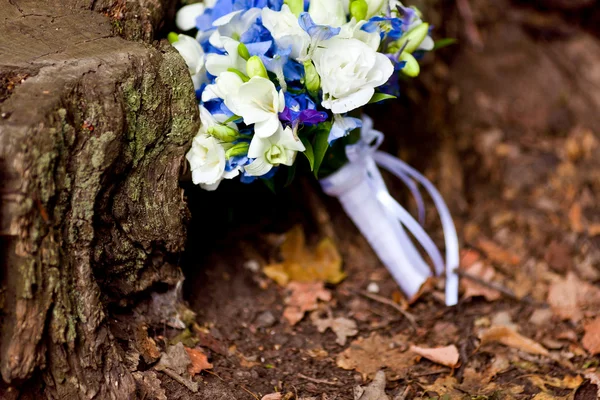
x: 447, y: 356
x: 375, y: 391
x: 342, y: 327
x: 576, y: 218
x: 199, y: 361
x: 558, y: 256
x: 146, y: 345
x: 175, y: 359
x: 498, y: 254
x: 369, y: 355
x: 304, y: 297
x: 568, y: 382
x: 571, y: 297
x: 300, y: 264
x: 272, y: 396
x: 591, y: 339
x: 510, y: 338
x: 473, y: 289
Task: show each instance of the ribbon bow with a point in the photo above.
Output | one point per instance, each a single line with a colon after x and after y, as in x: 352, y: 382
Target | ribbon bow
x: 348, y: 185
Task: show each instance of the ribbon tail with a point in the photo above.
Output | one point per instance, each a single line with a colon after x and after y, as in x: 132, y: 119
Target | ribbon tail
x: 400, y: 168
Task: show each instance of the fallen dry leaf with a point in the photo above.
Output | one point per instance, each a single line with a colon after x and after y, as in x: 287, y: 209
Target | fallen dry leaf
x: 176, y: 358
x: 300, y: 264
x: 199, y: 361
x: 272, y: 396
x: 591, y: 339
x: 149, y: 386
x: 568, y: 382
x: 444, y: 386
x: 342, y: 327
x: 369, y: 355
x: 375, y: 391
x: 304, y: 297
x: 571, y: 297
x: 510, y: 338
x: 497, y: 254
x: 447, y: 356
x: 473, y: 289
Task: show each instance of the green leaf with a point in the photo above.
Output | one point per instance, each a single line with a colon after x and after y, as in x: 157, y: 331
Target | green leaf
x: 377, y: 97
x: 320, y: 146
x: 291, y: 175
x: 270, y: 183
x: 309, y: 152
x: 439, y: 44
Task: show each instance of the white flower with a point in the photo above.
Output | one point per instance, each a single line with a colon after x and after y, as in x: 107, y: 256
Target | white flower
x: 286, y: 31
x: 207, y: 161
x: 208, y: 120
x: 354, y: 30
x: 216, y: 64
x: 376, y: 7
x: 328, y: 12
x: 280, y: 148
x: 192, y: 53
x: 257, y: 101
x: 186, y: 16
x: 233, y: 25
x: 350, y: 71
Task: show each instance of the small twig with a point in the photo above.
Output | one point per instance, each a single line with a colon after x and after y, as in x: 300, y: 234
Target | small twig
x: 495, y: 286
x: 403, y: 395
x: 427, y: 374
x: 212, y: 373
x: 191, y: 385
x: 320, y: 381
x: 409, y: 317
x: 465, y: 11
x: 249, y: 392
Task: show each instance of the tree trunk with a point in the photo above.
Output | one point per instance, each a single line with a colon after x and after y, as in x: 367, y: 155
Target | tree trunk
x: 93, y: 131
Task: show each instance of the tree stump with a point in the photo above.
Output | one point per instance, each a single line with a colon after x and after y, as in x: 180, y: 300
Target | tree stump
x: 95, y: 121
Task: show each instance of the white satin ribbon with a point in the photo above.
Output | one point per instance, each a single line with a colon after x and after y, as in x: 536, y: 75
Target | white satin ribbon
x: 384, y: 222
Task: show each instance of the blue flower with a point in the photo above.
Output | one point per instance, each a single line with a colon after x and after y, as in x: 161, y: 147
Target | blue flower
x: 391, y: 27
x: 300, y: 109
x: 342, y: 126
x: 317, y: 32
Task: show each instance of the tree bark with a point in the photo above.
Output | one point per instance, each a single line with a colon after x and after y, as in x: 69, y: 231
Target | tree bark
x: 94, y: 125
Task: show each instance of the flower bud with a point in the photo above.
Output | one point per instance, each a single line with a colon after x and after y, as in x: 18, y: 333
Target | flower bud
x: 411, y: 68
x: 359, y: 9
x: 255, y: 67
x: 413, y: 38
x: 172, y: 37
x: 243, y: 51
x: 312, y: 81
x: 224, y: 133
x: 296, y: 6
x: 237, y: 150
x: 239, y: 73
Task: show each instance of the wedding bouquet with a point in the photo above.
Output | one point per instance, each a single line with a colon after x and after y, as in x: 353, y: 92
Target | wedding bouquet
x: 275, y: 78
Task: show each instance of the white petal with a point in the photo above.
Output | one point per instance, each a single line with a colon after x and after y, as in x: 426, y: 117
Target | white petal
x: 225, y: 19
x: 258, y: 146
x: 186, y: 16
x: 268, y: 127
x: 259, y: 167
x: 351, y: 102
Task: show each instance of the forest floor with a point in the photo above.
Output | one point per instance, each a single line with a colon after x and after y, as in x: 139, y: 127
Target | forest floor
x: 509, y: 138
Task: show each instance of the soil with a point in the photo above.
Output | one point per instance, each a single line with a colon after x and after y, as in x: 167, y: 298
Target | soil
x: 509, y: 135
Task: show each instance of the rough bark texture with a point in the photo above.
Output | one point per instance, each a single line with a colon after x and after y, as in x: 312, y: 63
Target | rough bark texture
x: 93, y: 131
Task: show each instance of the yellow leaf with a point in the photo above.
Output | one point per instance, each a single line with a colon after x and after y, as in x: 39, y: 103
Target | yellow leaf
x: 299, y: 264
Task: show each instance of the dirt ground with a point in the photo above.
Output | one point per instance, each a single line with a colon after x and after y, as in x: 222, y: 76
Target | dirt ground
x: 506, y: 124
